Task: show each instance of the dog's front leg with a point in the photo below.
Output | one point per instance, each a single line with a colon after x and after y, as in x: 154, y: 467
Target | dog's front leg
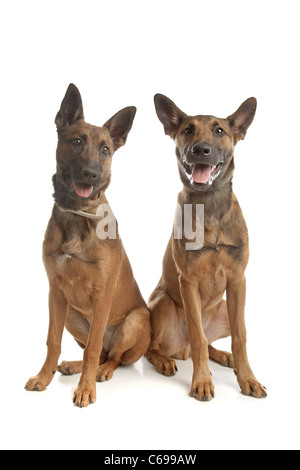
x: 85, y: 394
x: 236, y: 297
x: 202, y: 385
x: 58, y: 307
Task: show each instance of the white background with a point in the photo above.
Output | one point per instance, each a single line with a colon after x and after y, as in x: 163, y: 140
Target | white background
x: 208, y: 57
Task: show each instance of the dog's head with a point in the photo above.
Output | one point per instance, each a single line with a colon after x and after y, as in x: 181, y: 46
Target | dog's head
x: 84, y: 152
x: 204, y: 144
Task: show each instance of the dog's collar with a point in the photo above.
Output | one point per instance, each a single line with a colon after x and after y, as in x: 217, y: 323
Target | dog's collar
x: 87, y: 215
x: 82, y: 214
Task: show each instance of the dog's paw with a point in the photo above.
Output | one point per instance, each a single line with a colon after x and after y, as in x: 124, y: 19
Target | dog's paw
x: 223, y: 358
x: 166, y: 366
x: 227, y: 360
x: 36, y: 384
x: 105, y: 372
x: 84, y: 395
x: 203, y: 390
x: 70, y: 368
x: 252, y: 388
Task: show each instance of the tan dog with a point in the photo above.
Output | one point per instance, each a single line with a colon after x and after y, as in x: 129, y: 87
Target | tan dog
x: 92, y: 289
x: 188, y: 312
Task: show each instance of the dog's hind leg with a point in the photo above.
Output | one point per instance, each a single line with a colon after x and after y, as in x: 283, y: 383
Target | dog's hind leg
x: 163, y: 312
x: 130, y: 341
x: 79, y: 327
x: 218, y: 327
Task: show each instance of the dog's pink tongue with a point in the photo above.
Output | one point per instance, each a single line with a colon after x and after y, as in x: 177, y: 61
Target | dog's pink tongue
x: 83, y: 190
x: 201, y: 173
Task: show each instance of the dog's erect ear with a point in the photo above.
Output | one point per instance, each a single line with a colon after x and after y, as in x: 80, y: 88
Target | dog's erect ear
x: 119, y: 126
x: 242, y: 118
x: 71, y: 109
x: 169, y: 114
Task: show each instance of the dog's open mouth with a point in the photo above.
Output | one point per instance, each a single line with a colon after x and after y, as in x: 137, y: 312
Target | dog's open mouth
x: 201, y: 173
x: 82, y: 189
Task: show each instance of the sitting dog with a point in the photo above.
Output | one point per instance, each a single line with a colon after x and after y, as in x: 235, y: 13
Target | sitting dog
x: 188, y: 312
x: 92, y: 289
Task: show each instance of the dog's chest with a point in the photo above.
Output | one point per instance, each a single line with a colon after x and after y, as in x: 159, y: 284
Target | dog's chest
x: 211, y: 270
x: 212, y: 266
x: 77, y: 279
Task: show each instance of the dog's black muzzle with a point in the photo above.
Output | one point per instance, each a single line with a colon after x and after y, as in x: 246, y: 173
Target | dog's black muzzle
x: 203, y: 153
x: 80, y: 179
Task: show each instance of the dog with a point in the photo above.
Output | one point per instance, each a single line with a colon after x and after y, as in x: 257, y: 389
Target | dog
x: 188, y: 312
x: 92, y: 289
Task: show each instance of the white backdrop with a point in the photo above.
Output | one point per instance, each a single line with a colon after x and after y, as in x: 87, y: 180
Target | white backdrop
x: 208, y: 57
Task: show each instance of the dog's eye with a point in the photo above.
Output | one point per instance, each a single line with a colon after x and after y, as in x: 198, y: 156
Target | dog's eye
x: 76, y: 142
x: 105, y: 150
x: 219, y: 131
x: 188, y: 131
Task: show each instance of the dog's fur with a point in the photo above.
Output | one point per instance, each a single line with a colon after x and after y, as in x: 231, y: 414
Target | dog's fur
x: 188, y: 312
x: 92, y: 289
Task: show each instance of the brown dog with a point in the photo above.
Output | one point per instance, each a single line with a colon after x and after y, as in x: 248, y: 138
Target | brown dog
x: 92, y: 289
x: 188, y: 312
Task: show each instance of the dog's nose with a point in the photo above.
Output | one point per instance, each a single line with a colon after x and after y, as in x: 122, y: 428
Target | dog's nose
x: 201, y: 150
x: 89, y: 174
